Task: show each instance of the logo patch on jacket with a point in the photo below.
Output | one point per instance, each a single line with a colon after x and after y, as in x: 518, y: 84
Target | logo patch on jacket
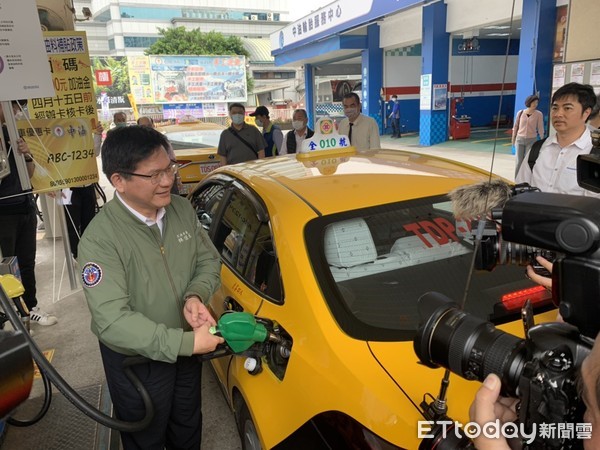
x: 91, y: 274
x: 184, y: 236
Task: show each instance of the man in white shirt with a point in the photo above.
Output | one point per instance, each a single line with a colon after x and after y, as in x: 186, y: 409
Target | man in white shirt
x: 293, y: 139
x: 362, y: 130
x: 555, y: 168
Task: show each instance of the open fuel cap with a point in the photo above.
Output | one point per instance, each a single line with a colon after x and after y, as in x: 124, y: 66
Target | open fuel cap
x: 250, y: 364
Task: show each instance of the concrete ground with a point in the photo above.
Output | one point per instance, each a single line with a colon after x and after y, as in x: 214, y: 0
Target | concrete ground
x: 75, y: 349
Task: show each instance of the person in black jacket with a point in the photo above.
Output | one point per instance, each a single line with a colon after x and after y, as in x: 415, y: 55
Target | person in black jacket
x: 18, y: 222
x: 293, y: 139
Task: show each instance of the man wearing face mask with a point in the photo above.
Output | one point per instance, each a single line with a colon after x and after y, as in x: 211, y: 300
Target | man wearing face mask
x: 120, y: 119
x: 293, y: 139
x: 240, y: 142
x: 362, y: 130
x: 395, y: 117
x: 271, y: 132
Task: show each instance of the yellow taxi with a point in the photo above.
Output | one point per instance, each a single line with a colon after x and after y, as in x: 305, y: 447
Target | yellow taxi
x: 335, y: 248
x: 195, y: 145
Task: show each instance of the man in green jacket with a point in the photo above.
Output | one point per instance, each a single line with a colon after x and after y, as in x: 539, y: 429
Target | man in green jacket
x: 148, y: 268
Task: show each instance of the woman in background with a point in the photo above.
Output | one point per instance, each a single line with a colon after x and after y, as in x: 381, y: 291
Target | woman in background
x: 528, y: 127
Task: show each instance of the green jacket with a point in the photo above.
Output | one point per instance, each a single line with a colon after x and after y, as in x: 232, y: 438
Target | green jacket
x: 135, y: 280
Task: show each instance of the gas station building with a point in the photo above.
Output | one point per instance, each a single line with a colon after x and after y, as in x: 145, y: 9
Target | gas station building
x: 450, y: 63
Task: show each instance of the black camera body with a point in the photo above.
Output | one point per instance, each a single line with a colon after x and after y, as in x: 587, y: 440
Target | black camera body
x: 569, y: 225
x: 588, y: 166
x: 564, y: 229
x: 542, y: 369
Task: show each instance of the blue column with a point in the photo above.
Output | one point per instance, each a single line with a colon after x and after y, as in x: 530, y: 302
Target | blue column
x: 433, y: 127
x: 372, y: 76
x: 309, y: 94
x: 536, y: 48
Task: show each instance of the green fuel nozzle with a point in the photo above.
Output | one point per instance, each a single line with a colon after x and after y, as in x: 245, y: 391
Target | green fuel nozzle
x: 241, y: 331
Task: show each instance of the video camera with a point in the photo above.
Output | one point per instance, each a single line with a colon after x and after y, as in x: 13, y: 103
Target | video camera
x: 494, y: 249
x: 564, y: 225
x: 588, y: 166
x: 499, y: 248
x: 542, y: 369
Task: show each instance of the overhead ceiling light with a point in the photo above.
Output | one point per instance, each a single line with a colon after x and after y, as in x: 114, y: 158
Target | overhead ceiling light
x: 470, y: 34
x: 497, y: 27
x: 498, y: 34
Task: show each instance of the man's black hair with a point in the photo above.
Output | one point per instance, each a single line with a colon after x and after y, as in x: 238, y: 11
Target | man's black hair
x: 301, y: 111
x: 584, y: 92
x: 353, y: 95
x: 124, y: 148
x: 120, y: 113
x: 236, y: 105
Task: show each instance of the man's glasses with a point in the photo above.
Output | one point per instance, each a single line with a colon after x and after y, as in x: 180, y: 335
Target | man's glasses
x: 156, y: 176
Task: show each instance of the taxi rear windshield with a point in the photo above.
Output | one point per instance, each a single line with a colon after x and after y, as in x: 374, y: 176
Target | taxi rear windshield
x: 374, y: 264
x: 184, y: 145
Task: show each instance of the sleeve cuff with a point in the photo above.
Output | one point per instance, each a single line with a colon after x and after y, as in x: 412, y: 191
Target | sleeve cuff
x: 194, y: 293
x: 187, y: 344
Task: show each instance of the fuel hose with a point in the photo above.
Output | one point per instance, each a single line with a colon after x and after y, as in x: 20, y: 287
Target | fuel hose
x: 49, y: 373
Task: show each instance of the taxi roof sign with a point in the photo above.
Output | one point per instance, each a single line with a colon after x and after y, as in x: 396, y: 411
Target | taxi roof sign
x: 326, y: 138
x: 326, y: 125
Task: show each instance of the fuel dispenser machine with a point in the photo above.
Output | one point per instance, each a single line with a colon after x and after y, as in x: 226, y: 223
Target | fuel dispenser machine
x: 460, y: 124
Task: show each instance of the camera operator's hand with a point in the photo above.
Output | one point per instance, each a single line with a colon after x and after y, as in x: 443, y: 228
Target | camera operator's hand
x: 488, y: 407
x: 540, y: 279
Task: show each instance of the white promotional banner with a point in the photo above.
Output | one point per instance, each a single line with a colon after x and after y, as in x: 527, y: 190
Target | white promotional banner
x: 425, y: 103
x: 24, y: 69
x: 326, y: 18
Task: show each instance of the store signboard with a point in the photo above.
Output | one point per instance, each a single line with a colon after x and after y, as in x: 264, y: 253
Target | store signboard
x: 321, y: 20
x: 140, y: 79
x: 193, y: 79
x: 333, y: 18
x: 111, y: 83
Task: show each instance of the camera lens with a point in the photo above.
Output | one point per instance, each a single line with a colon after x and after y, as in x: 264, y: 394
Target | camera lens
x: 467, y: 345
x: 494, y: 250
x: 512, y: 253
